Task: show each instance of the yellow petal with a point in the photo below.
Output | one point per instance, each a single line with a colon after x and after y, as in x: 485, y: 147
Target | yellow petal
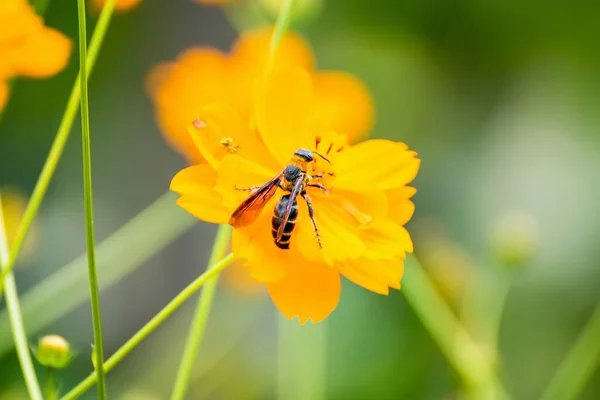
x: 283, y: 106
x: 254, y: 245
x: 42, y: 54
x: 197, y: 78
x: 343, y: 103
x: 120, y: 5
x: 309, y: 291
x: 376, y: 276
x: 251, y: 52
x: 401, y: 208
x: 376, y: 164
x: 236, y: 171
x: 198, y: 196
x: 385, y: 240
x: 338, y: 230
x: 219, y: 130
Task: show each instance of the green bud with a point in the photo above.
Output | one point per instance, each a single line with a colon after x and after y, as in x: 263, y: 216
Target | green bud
x: 515, y: 239
x: 53, y: 351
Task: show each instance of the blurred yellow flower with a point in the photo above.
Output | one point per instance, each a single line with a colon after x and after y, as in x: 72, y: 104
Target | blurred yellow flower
x: 201, y: 76
x: 13, y: 205
x: 360, y: 207
x: 120, y: 5
x: 27, y: 47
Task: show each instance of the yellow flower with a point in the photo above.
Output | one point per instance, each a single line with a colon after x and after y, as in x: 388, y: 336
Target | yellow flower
x: 202, y: 76
x: 360, y: 219
x: 27, y: 47
x: 120, y: 5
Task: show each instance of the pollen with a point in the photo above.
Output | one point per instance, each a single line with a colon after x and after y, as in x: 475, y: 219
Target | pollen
x: 229, y: 144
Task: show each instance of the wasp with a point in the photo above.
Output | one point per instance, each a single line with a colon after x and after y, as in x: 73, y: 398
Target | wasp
x: 294, y: 179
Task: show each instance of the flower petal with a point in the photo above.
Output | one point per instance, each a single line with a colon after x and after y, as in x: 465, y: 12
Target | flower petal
x: 343, y: 103
x: 401, y: 208
x: 386, y: 240
x: 376, y: 276
x: 309, y: 291
x: 283, y: 106
x: 254, y: 245
x: 239, y: 172
x: 251, y: 52
x: 198, y: 196
x: 219, y: 131
x: 376, y: 164
x: 42, y: 54
x: 338, y: 230
x: 198, y: 77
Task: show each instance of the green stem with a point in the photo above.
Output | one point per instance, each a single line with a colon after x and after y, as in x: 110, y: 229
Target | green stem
x: 14, y: 312
x: 203, y: 307
x: 50, y: 390
x: 483, y: 307
x: 464, y: 355
x: 150, y: 326
x: 579, y: 365
x: 281, y: 26
x: 301, y: 358
x: 88, y: 200
x: 118, y: 256
x: 59, y: 142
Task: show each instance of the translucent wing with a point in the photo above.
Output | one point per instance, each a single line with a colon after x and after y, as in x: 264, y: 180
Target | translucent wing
x: 250, y: 209
x: 288, y: 208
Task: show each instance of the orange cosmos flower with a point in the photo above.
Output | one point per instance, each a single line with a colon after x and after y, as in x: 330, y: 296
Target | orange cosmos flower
x: 360, y: 213
x: 201, y: 76
x: 27, y: 47
x: 120, y: 5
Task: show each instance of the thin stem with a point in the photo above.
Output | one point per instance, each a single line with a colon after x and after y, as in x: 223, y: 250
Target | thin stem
x: 59, y: 142
x: 118, y: 256
x: 483, y: 307
x: 88, y: 201
x: 464, y: 355
x: 203, y: 307
x: 281, y: 26
x: 150, y: 326
x: 14, y: 312
x: 301, y: 358
x: 579, y: 365
x: 50, y: 389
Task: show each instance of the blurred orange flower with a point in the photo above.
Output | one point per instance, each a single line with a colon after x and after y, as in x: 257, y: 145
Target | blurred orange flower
x: 201, y: 76
x: 120, y: 5
x: 27, y: 47
x: 360, y: 215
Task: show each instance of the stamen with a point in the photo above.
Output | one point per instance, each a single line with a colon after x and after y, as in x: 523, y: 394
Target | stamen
x: 330, y: 147
x: 340, y: 149
x: 198, y: 123
x: 317, y: 142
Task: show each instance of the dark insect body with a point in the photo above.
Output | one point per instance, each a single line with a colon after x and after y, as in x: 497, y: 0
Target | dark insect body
x: 294, y: 179
x: 278, y: 214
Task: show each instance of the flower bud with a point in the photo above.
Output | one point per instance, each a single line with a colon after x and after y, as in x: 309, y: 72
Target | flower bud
x: 515, y: 238
x: 53, y: 351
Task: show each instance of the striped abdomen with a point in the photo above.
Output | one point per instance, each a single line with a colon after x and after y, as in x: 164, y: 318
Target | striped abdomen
x: 284, y: 242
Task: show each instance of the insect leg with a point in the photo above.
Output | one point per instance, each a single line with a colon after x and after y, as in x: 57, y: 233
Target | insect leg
x: 318, y: 185
x: 311, y: 214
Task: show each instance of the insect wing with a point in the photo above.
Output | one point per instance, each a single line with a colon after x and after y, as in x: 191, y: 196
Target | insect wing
x: 288, y: 208
x: 250, y: 209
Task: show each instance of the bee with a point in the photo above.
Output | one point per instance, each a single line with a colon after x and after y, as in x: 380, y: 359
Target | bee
x: 294, y: 179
